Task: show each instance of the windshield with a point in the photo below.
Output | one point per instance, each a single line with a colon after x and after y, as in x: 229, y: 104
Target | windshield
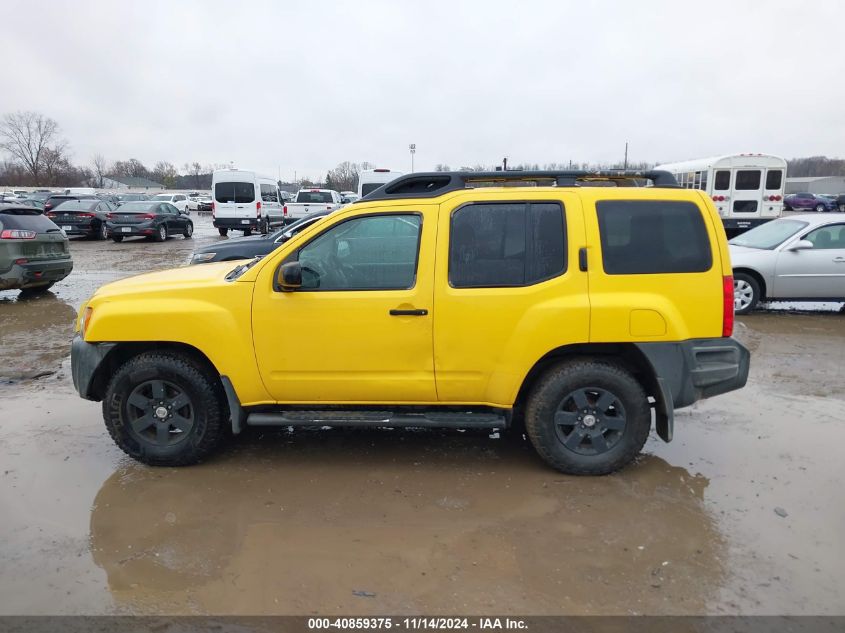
x: 315, y: 196
x: 770, y: 235
x: 137, y: 207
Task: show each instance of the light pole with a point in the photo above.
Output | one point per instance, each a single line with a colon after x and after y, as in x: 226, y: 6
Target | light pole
x: 413, y: 148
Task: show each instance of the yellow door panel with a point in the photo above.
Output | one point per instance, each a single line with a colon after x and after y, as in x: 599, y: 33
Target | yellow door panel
x: 340, y: 343
x: 486, y: 339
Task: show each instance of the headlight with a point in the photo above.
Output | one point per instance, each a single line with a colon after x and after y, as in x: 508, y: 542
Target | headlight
x: 199, y: 258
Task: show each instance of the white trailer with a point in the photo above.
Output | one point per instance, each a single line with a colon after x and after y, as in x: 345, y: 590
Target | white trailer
x: 747, y: 189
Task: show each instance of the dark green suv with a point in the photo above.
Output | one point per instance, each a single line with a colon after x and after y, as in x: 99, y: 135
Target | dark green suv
x: 34, y: 252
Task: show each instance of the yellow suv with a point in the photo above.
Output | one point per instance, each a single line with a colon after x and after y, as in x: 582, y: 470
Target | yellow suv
x: 579, y: 306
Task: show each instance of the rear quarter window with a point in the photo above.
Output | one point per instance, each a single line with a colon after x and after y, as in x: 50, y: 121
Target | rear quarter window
x: 641, y: 237
x: 27, y: 220
x: 234, y: 192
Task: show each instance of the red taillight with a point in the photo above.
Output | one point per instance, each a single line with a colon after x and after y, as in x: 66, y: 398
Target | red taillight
x: 51, y: 215
x: 285, y: 210
x: 778, y: 198
x: 728, y: 305
x: 21, y: 261
x: 17, y: 234
x: 148, y: 216
x: 258, y: 208
x: 109, y: 216
x: 212, y: 209
x: 85, y: 215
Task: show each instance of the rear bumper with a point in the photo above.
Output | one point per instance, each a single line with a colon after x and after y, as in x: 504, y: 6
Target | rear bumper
x: 35, y: 273
x: 698, y: 368
x: 742, y: 224
x: 235, y: 223
x: 131, y: 230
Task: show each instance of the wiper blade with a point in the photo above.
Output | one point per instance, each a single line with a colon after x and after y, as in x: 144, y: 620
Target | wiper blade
x: 240, y: 270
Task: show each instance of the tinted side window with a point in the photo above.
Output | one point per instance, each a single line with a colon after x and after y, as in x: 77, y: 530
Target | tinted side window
x: 748, y: 179
x: 650, y: 237
x: 506, y: 244
x: 774, y: 177
x: 237, y: 192
x: 376, y: 252
x: 722, y: 181
x: 827, y: 237
x: 269, y: 193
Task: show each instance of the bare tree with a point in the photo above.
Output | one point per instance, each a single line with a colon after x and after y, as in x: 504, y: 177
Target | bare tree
x: 165, y: 173
x: 101, y: 168
x: 26, y: 136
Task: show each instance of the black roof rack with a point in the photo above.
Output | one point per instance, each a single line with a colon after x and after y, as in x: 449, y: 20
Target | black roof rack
x: 431, y: 184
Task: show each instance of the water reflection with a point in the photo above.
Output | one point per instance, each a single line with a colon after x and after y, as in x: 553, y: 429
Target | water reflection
x: 427, y: 522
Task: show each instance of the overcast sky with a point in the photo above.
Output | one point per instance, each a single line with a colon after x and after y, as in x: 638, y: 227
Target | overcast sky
x: 287, y: 87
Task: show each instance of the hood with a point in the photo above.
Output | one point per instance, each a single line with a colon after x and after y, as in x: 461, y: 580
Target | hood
x: 188, y: 277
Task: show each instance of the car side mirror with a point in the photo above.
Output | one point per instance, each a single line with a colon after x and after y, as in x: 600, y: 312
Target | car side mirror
x: 289, y: 276
x: 801, y: 245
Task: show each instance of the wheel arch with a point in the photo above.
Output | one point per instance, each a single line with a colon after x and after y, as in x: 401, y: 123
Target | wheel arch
x: 627, y: 355
x: 761, y: 281
x: 123, y: 352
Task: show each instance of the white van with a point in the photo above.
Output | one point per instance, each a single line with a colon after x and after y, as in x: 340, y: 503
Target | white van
x: 80, y: 191
x: 244, y: 201
x: 371, y: 179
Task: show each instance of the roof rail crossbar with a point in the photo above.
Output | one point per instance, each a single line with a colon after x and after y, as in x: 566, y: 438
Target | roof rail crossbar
x: 431, y: 184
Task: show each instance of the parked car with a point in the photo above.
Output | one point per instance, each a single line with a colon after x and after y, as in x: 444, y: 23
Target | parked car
x: 795, y: 258
x: 151, y: 219
x: 311, y: 200
x: 245, y: 201
x: 56, y: 199
x: 131, y: 197
x: 204, y: 204
x: 178, y: 200
x: 41, y: 196
x: 253, y: 246
x: 840, y: 201
x: 82, y: 217
x: 34, y: 252
x: 33, y: 202
x: 349, y: 196
x: 812, y: 201
x: 434, y: 304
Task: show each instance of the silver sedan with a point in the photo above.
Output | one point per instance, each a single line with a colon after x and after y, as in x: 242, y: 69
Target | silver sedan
x: 794, y: 258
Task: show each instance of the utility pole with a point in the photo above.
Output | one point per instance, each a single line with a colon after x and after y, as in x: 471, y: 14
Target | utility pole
x: 505, y: 163
x: 626, y: 155
x: 413, y: 149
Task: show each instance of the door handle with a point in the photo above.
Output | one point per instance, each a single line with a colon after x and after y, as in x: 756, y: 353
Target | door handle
x: 396, y: 312
x: 839, y: 260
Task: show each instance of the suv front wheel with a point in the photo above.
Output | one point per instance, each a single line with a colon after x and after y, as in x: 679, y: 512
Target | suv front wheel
x: 164, y: 410
x: 588, y: 417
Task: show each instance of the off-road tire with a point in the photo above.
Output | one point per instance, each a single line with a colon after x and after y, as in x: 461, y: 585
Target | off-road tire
x: 552, y: 389
x: 223, y: 232
x: 754, y: 286
x: 206, y: 401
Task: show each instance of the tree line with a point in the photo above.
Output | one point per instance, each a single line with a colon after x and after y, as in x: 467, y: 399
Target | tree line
x: 38, y: 155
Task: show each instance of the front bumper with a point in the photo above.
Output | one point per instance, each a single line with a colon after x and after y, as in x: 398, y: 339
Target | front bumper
x: 85, y: 359
x: 698, y: 368
x: 236, y: 223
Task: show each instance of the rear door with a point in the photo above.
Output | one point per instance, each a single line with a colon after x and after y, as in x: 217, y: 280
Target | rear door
x: 653, y: 273
x: 508, y: 290
x: 747, y: 194
x: 235, y: 199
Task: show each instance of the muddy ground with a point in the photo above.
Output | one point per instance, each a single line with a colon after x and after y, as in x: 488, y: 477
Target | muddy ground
x: 742, y: 513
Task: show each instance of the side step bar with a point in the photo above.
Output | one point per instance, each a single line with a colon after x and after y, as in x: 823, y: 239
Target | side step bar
x: 363, y: 417
x: 389, y: 419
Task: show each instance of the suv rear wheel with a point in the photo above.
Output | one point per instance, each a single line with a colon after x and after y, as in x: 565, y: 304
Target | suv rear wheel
x: 164, y: 410
x: 588, y: 417
x: 223, y: 232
